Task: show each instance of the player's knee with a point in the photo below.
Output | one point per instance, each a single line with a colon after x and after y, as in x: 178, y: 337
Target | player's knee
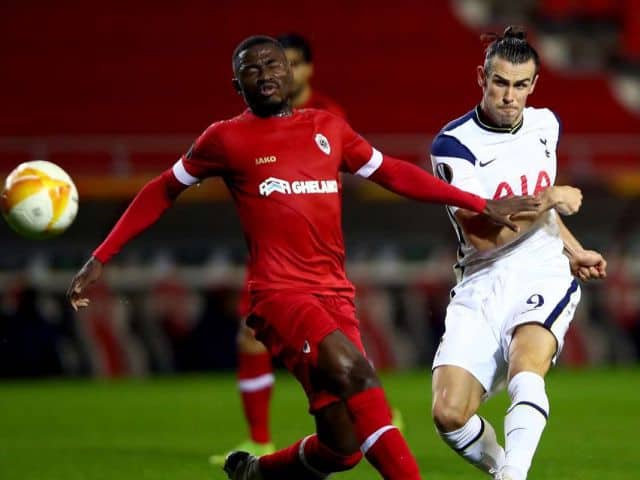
x: 342, y: 369
x: 449, y: 416
x: 350, y: 374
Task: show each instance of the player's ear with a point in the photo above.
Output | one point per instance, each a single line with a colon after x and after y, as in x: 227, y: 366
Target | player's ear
x: 482, y: 77
x: 236, y: 85
x: 534, y: 83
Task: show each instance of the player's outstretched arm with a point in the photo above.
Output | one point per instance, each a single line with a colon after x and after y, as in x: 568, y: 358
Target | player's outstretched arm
x: 412, y: 182
x: 145, y: 209
x: 585, y: 264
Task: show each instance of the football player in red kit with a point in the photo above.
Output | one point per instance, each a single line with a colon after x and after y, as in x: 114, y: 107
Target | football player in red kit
x: 255, y: 369
x: 282, y: 168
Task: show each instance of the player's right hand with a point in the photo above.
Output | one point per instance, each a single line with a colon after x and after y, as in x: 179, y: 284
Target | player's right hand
x: 588, y: 265
x: 500, y: 211
x: 88, y: 274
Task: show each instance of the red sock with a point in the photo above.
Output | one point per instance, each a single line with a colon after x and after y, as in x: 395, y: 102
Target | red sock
x: 382, y: 443
x: 307, y: 459
x: 255, y: 382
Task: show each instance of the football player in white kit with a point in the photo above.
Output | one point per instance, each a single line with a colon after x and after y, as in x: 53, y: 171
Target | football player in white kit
x: 516, y: 292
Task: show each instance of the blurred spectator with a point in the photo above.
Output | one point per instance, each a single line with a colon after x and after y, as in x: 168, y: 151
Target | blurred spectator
x: 298, y: 52
x: 28, y: 339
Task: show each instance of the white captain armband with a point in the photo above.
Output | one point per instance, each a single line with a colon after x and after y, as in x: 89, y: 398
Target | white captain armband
x: 182, y: 175
x: 371, y: 166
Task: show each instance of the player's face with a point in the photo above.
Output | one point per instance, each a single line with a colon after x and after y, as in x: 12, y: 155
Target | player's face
x: 263, y: 77
x: 301, y: 70
x: 505, y: 88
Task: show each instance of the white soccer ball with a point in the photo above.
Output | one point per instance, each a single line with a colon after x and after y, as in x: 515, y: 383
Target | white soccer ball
x: 39, y: 200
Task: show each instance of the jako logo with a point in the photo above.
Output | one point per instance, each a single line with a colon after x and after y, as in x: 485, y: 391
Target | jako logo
x: 268, y: 159
x: 297, y: 187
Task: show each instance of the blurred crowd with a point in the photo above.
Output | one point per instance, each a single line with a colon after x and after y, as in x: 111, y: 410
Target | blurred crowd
x: 164, y: 322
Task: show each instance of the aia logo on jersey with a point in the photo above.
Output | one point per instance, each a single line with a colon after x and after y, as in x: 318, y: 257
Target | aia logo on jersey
x: 504, y: 189
x: 323, y: 143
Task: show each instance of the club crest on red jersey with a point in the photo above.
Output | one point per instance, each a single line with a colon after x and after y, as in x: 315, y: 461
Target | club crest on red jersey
x: 323, y: 143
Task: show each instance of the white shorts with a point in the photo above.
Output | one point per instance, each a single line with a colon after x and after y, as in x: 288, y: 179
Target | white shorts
x: 486, y: 308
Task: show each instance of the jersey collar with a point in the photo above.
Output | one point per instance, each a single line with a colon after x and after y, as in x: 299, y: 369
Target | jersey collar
x: 482, y: 122
x: 294, y: 113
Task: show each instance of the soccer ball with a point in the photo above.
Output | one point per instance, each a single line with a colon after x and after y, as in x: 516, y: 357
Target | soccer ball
x: 39, y: 199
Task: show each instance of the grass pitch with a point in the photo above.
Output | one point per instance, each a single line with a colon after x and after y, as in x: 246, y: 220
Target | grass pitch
x: 166, y: 428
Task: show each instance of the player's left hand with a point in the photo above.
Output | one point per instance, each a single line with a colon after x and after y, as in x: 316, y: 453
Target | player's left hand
x: 500, y: 211
x: 87, y: 275
x: 588, y: 265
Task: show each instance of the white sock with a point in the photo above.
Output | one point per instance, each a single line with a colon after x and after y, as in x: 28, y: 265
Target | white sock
x: 525, y: 420
x: 476, y: 442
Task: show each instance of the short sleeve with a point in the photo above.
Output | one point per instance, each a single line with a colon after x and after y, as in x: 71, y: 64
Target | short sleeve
x: 358, y: 156
x: 204, y: 159
x: 454, y: 163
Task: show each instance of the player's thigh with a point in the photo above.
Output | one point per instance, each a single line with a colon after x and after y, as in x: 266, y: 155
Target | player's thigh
x: 532, y: 349
x: 303, y: 333
x: 456, y: 396
x: 335, y: 428
x: 542, y: 311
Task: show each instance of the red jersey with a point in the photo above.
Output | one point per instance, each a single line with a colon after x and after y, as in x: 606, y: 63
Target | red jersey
x: 322, y: 102
x: 283, y: 174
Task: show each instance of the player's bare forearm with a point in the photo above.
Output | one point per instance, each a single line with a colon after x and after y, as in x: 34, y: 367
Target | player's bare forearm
x: 565, y: 199
x: 585, y: 264
x: 481, y: 232
x: 484, y: 234
x: 571, y: 243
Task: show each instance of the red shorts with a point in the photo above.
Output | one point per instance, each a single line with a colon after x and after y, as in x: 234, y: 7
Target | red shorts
x: 291, y: 324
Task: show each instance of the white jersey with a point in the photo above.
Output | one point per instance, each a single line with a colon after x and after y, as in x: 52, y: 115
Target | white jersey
x: 496, y: 163
x: 526, y: 281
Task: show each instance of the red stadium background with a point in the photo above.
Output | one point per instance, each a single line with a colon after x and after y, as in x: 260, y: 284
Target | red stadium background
x: 115, y: 91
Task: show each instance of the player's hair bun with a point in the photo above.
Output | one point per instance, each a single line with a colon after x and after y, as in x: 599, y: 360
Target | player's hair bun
x: 515, y: 31
x: 512, y: 31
